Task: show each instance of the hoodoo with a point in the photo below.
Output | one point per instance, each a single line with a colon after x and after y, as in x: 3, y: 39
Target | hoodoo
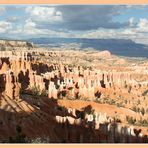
x: 48, y: 92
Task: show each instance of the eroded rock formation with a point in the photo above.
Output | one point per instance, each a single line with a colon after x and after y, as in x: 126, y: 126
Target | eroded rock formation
x: 32, y: 80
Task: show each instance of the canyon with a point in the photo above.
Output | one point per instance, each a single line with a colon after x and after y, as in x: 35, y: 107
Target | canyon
x: 71, y: 96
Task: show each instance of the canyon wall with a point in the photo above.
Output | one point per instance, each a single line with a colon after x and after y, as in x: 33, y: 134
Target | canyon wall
x: 62, y: 75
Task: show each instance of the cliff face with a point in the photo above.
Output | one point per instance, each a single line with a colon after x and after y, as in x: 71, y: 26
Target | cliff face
x: 32, y: 82
x: 20, y: 67
x: 14, y: 45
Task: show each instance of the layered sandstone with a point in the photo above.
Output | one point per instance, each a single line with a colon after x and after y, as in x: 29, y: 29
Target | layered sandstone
x: 15, y: 45
x: 33, y: 81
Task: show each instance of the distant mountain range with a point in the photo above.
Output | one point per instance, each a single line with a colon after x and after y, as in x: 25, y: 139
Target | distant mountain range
x: 121, y: 47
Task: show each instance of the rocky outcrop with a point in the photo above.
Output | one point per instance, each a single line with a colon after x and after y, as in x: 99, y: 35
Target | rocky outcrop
x: 30, y: 81
x: 23, y: 71
x: 15, y: 45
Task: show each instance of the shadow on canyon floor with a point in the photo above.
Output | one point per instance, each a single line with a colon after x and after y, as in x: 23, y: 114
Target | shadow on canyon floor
x: 41, y: 123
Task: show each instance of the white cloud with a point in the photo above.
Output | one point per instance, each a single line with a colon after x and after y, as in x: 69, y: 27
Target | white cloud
x: 42, y: 19
x: 29, y: 24
x: 143, y: 24
x: 30, y: 29
x: 131, y: 22
x: 5, y: 26
x: 47, y: 14
x: 35, y: 32
x: 136, y: 32
x: 13, y: 18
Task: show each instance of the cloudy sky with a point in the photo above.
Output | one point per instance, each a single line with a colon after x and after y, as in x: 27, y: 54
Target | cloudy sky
x: 77, y: 21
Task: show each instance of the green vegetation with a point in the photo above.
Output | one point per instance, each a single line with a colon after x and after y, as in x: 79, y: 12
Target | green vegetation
x: 143, y: 122
x: 129, y: 89
x: 133, y: 121
x: 138, y: 110
x: 130, y: 120
x: 120, y: 105
x: 142, y: 111
x: 145, y: 93
x: 35, y: 91
x: 116, y: 118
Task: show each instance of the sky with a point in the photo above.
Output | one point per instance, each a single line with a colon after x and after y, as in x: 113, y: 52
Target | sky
x: 75, y: 21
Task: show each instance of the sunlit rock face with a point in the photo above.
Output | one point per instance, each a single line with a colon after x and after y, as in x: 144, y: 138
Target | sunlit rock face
x: 33, y: 82
x: 14, y: 45
x: 21, y: 69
